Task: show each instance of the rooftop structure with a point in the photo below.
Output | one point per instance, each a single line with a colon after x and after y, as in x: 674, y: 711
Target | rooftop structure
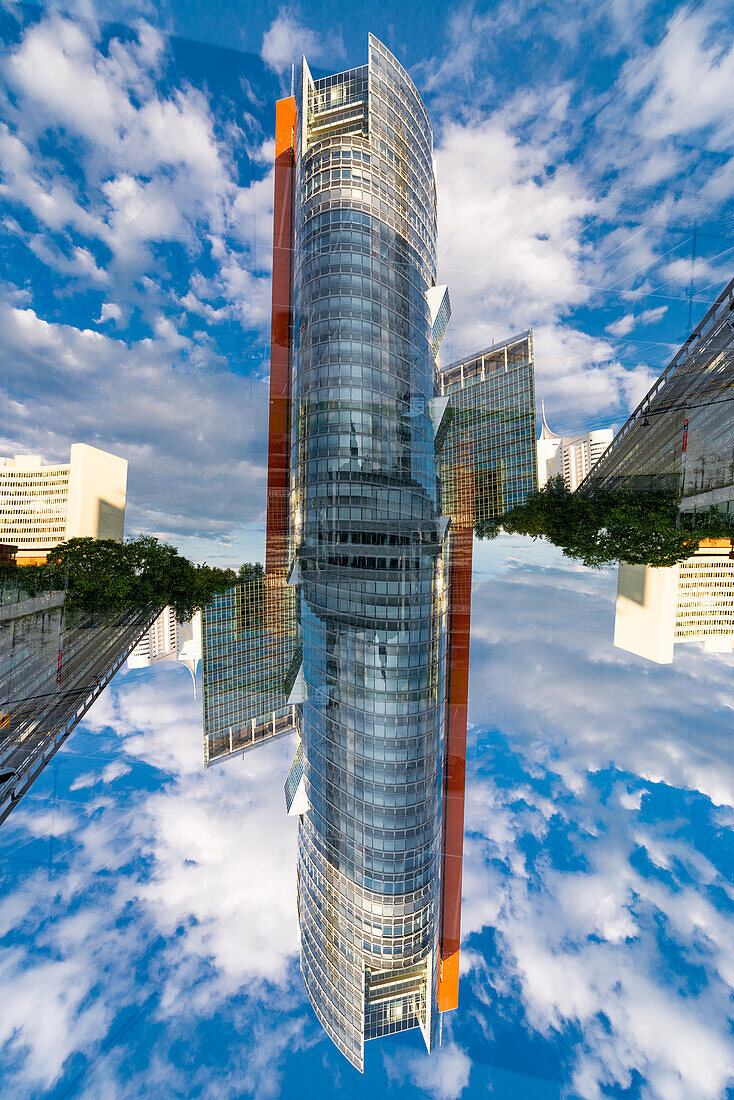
x: 43, y: 505
x: 570, y: 457
x: 170, y: 641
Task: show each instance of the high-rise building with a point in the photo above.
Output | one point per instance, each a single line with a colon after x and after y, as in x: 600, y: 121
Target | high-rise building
x: 693, y: 601
x: 492, y: 397
x: 43, y: 505
x: 357, y: 635
x: 680, y: 435
x: 53, y: 666
x: 168, y: 640
x: 571, y: 457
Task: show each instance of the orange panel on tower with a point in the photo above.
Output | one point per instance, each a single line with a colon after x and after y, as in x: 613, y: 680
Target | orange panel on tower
x: 280, y: 339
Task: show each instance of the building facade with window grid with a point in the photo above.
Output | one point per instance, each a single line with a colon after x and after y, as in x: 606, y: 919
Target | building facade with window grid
x: 43, y: 505
x: 692, y: 601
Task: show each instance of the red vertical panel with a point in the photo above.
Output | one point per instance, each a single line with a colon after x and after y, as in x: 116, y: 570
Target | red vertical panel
x: 455, y: 757
x: 276, y: 532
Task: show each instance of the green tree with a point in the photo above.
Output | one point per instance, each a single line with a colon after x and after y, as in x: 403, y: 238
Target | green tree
x: 642, y: 528
x: 101, y: 575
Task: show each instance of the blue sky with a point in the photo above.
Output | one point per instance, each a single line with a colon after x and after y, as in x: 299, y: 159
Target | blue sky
x: 147, y: 911
x: 576, y: 150
x: 148, y: 916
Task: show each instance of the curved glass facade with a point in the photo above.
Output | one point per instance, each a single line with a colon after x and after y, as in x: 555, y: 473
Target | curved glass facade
x: 365, y: 527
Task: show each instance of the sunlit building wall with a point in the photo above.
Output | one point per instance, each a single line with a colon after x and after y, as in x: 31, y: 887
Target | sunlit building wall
x: 693, y: 601
x: 43, y: 505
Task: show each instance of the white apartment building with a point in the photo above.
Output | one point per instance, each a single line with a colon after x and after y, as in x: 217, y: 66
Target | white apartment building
x: 570, y: 457
x: 172, y: 641
x: 43, y: 505
x: 692, y: 601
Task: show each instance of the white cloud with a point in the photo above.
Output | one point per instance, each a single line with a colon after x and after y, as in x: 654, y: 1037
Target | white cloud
x: 509, y: 247
x: 582, y: 938
x: 444, y: 1074
x: 287, y: 39
x: 184, y: 422
x: 624, y: 325
x: 46, y: 1020
x: 684, y: 82
x: 179, y: 896
x: 110, y: 311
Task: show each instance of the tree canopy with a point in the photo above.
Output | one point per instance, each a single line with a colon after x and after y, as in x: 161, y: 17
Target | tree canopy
x: 642, y: 528
x: 104, y: 575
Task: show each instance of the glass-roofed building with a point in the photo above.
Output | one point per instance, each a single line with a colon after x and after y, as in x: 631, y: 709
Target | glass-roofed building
x: 680, y: 435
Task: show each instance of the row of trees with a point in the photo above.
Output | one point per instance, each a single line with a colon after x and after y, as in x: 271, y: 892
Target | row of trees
x: 642, y: 528
x: 104, y: 575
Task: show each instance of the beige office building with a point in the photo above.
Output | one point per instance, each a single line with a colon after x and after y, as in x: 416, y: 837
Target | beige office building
x: 571, y: 457
x: 692, y: 601
x: 43, y: 505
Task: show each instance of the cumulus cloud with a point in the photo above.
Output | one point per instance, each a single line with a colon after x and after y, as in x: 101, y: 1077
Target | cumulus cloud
x: 444, y: 1074
x: 182, y: 419
x: 176, y: 898
x: 625, y: 324
x: 683, y: 83
x: 287, y: 39
x: 152, y: 173
x: 510, y: 224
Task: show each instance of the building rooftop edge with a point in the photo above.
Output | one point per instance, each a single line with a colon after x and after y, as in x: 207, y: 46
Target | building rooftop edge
x: 488, y: 351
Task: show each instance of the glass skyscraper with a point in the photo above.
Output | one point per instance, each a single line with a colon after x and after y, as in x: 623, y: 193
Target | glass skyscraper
x: 492, y: 396
x: 376, y: 460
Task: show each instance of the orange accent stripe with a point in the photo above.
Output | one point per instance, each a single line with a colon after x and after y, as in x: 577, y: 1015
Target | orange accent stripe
x: 276, y: 531
x: 455, y: 758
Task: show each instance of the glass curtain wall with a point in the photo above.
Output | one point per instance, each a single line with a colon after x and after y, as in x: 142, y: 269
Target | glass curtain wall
x: 365, y: 529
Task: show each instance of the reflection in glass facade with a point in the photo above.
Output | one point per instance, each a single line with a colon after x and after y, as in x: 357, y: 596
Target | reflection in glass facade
x: 679, y: 437
x: 371, y: 502
x: 248, y: 639
x: 53, y: 666
x: 492, y: 395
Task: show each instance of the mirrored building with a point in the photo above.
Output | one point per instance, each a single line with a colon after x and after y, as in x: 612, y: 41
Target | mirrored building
x: 377, y: 464
x: 53, y: 666
x: 680, y: 435
x: 693, y: 601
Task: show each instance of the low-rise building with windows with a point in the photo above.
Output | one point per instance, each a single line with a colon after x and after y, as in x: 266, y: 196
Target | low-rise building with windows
x: 43, y: 504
